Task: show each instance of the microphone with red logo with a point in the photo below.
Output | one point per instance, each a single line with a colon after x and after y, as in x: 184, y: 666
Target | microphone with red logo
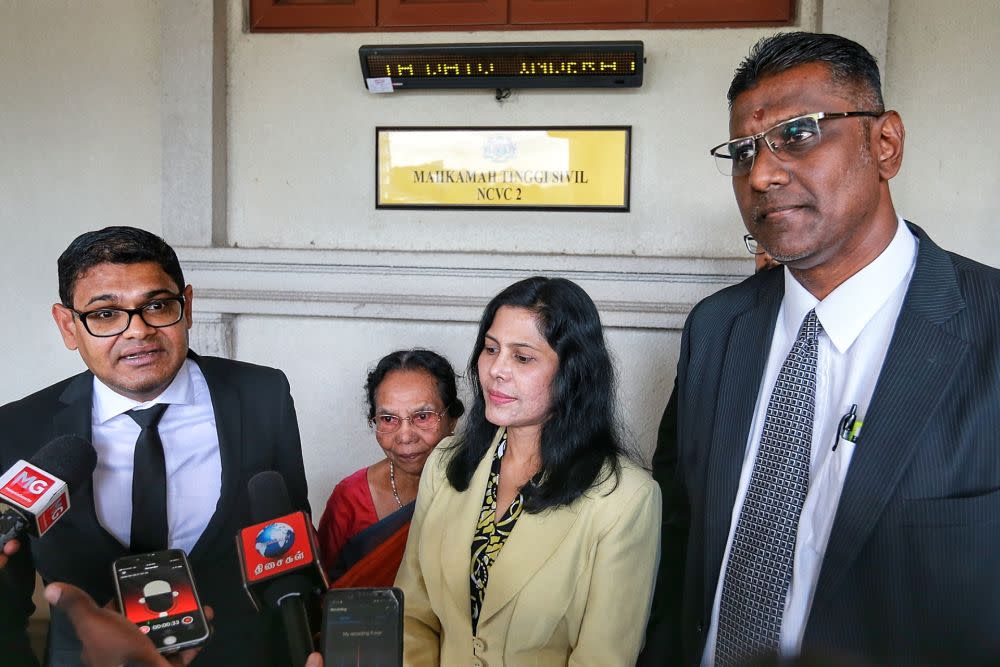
x: 278, y: 554
x: 35, y: 493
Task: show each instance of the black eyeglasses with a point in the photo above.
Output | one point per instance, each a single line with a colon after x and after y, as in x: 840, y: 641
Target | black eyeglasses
x: 107, y: 322
x: 752, y: 246
x: 425, y: 420
x: 787, y: 140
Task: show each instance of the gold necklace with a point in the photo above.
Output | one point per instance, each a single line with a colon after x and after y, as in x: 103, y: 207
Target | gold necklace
x: 392, y: 483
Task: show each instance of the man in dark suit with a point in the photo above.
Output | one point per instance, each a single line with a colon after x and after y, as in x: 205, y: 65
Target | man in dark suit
x: 829, y: 458
x: 125, y: 307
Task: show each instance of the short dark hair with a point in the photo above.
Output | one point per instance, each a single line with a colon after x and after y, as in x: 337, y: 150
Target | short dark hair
x: 580, y: 440
x: 417, y: 360
x: 849, y: 63
x: 114, y: 245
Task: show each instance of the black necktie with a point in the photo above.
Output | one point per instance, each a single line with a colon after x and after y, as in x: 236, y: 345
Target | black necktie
x: 149, y: 483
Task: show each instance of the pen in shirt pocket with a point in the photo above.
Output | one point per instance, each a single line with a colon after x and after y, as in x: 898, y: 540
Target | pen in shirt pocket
x: 849, y: 427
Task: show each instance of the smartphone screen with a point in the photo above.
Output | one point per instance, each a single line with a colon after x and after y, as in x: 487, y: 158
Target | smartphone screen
x: 156, y: 592
x: 363, y: 626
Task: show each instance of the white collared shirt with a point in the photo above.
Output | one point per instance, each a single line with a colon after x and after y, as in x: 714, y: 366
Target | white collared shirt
x: 190, y: 449
x: 858, y: 320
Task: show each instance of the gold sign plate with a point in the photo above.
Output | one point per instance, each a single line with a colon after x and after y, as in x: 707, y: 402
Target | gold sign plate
x: 533, y: 168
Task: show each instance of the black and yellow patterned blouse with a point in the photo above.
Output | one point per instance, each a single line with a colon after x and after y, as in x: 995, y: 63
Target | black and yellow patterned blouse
x: 490, y: 535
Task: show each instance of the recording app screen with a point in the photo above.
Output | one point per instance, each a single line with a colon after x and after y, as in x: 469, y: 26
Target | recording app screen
x: 362, y: 628
x: 158, y: 596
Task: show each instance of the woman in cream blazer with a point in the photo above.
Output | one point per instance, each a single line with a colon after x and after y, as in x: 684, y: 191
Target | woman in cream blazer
x: 572, y: 583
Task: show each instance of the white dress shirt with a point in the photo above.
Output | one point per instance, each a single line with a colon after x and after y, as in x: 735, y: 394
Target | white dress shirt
x: 190, y: 449
x: 858, y: 320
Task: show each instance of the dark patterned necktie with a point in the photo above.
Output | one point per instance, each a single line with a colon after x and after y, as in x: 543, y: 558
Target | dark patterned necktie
x: 149, y: 483
x: 763, y: 550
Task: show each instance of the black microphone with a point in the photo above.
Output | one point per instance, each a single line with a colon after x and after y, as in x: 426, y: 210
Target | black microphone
x: 279, y: 558
x: 35, y: 493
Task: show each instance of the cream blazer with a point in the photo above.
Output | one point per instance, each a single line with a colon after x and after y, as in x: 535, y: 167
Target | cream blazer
x: 572, y: 586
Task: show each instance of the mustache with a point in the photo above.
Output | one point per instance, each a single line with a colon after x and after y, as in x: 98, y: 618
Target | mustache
x: 769, y: 204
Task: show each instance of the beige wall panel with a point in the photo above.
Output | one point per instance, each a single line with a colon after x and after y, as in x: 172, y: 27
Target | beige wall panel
x: 942, y: 77
x: 302, y: 146
x: 79, y: 149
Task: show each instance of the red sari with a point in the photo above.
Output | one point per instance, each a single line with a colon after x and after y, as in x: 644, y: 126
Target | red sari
x: 356, y: 548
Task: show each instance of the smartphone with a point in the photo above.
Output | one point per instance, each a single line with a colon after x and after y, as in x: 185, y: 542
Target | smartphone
x: 156, y: 592
x: 363, y: 626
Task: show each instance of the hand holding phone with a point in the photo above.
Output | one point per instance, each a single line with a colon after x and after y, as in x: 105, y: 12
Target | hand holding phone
x: 109, y: 639
x: 156, y: 591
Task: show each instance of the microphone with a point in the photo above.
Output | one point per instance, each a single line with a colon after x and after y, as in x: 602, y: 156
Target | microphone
x: 280, y: 568
x: 35, y: 493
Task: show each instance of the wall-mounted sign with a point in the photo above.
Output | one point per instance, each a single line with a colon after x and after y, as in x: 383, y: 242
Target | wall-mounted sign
x: 503, y: 167
x: 513, y: 65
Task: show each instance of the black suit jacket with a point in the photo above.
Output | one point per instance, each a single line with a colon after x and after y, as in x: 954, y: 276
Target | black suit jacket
x: 911, y: 574
x: 257, y: 430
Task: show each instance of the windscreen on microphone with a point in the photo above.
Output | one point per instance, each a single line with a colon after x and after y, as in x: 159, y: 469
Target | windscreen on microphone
x: 280, y: 544
x: 269, y: 500
x: 278, y: 557
x: 34, y: 494
x: 268, y: 496
x: 68, y: 457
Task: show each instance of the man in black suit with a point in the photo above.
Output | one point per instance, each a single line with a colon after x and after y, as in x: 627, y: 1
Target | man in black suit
x: 125, y: 307
x: 829, y: 458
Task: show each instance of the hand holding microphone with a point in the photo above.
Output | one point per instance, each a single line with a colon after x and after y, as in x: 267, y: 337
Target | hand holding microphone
x: 8, y: 550
x: 279, y: 557
x: 34, y: 494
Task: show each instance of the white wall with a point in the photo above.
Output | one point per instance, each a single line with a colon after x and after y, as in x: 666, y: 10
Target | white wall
x: 302, y: 146
x: 79, y: 149
x: 943, y: 79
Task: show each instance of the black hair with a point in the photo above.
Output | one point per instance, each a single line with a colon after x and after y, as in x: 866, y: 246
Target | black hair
x: 580, y: 442
x: 849, y: 63
x: 417, y: 360
x: 114, y: 245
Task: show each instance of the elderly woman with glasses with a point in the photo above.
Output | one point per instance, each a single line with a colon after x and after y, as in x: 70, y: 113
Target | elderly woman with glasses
x: 412, y: 405
x: 535, y: 536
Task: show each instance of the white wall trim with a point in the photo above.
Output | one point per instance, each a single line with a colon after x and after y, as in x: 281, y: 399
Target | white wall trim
x: 434, y: 286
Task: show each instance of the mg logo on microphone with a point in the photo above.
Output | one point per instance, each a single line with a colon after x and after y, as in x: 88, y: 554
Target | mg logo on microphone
x: 52, y: 513
x: 33, y: 484
x: 27, y: 486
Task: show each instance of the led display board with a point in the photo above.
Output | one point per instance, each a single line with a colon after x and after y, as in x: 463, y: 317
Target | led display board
x: 513, y: 65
